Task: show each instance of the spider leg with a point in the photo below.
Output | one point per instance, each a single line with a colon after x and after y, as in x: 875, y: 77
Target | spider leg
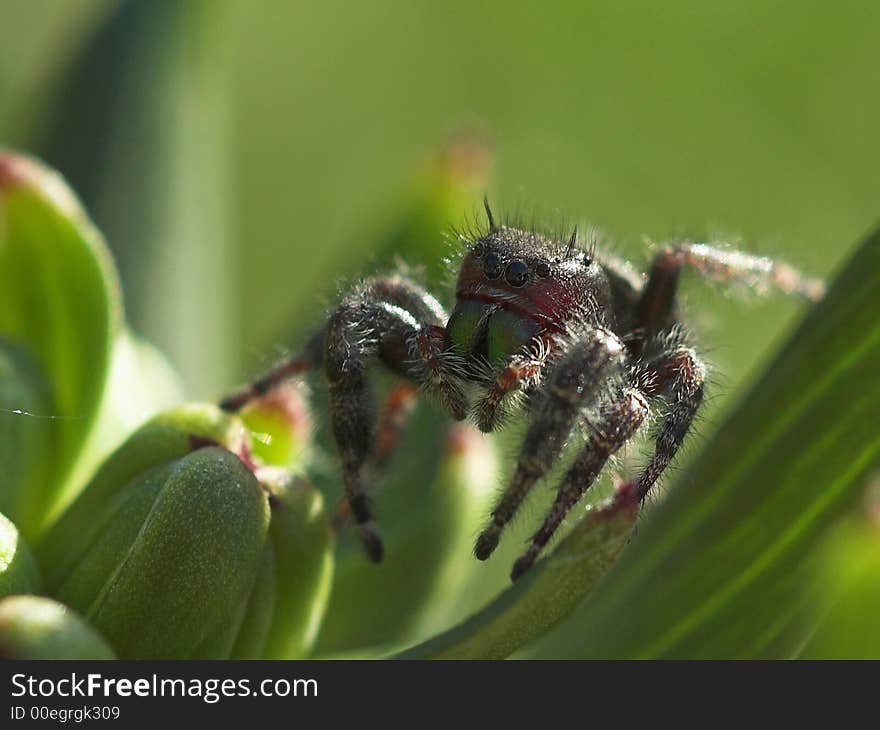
x: 396, y: 290
x: 616, y: 426
x: 521, y: 372
x: 395, y: 413
x: 657, y: 298
x: 390, y: 320
x: 572, y: 384
x: 679, y: 376
x: 309, y: 358
x: 372, y: 325
x: 398, y: 407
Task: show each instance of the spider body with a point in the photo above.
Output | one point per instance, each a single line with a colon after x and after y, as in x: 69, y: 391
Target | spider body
x: 590, y: 343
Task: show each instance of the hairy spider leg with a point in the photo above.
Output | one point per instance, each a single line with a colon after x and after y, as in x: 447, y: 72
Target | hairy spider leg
x: 309, y: 358
x: 573, y: 383
x: 397, y: 290
x: 371, y: 325
x: 399, y: 405
x: 655, y: 305
x: 396, y: 411
x: 387, y: 319
x: 522, y: 371
x: 678, y: 376
x: 617, y: 425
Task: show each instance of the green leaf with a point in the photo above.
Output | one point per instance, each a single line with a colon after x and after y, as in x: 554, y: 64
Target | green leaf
x: 140, y: 384
x: 846, y: 592
x: 33, y: 627
x: 185, y: 573
x: 25, y: 434
x: 166, y: 438
x: 427, y: 505
x: 59, y: 303
x: 546, y: 595
x: 301, y: 543
x: 252, y: 630
x: 719, y: 567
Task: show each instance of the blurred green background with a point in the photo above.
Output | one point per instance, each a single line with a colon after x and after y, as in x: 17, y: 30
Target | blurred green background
x: 240, y: 157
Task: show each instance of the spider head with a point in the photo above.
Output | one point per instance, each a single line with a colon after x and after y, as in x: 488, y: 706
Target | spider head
x: 514, y: 284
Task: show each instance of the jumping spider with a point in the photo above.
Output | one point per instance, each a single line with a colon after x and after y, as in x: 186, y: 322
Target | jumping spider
x: 588, y: 342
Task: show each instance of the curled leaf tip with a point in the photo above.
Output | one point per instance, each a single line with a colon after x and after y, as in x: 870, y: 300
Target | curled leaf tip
x: 12, y: 171
x: 460, y: 438
x: 280, y: 425
x: 288, y: 401
x: 19, y: 171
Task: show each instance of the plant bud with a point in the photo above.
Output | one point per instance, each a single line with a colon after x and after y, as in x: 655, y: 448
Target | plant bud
x: 190, y: 566
x: 162, y: 549
x: 252, y: 631
x: 280, y: 426
x: 161, y: 441
x: 18, y: 569
x: 302, y: 542
x: 60, y: 303
x: 290, y: 594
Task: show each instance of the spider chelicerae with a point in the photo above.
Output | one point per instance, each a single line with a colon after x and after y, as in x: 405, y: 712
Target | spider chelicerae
x: 585, y: 342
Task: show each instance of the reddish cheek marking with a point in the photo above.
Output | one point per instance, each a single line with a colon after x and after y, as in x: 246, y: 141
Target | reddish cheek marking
x: 470, y: 274
x: 553, y: 297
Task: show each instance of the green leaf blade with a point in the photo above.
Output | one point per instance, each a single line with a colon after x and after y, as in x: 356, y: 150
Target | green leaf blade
x: 716, y: 570
x: 846, y: 587
x: 546, y: 595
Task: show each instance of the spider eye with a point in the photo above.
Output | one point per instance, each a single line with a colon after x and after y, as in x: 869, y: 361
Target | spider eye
x: 492, y: 266
x: 542, y: 269
x: 517, y: 273
x: 478, y: 250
